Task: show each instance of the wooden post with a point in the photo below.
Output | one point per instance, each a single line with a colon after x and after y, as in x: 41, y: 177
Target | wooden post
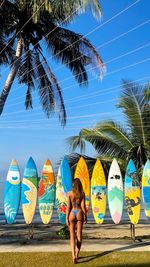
x: 132, y: 229
x: 30, y: 231
x: 133, y: 232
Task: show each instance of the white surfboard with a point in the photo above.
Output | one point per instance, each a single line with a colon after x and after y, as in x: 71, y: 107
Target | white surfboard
x: 115, y: 192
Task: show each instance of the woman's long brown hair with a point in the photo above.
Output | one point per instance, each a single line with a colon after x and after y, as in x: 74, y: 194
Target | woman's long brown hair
x: 77, y: 188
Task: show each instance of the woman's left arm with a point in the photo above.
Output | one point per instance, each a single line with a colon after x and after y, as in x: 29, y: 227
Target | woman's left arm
x: 68, y: 209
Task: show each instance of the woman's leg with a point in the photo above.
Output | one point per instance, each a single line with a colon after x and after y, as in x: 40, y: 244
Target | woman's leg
x: 72, y: 235
x: 79, y: 232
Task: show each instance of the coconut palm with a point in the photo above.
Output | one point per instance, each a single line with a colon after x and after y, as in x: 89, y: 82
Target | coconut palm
x: 24, y: 24
x: 130, y: 139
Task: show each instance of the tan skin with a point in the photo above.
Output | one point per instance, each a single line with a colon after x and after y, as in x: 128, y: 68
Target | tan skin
x: 73, y: 220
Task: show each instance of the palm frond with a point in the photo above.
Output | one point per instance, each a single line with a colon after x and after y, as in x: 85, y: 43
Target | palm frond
x: 26, y: 74
x: 75, y: 142
x: 34, y: 8
x: 45, y: 88
x: 7, y: 54
x: 28, y: 100
x: 102, y: 143
x: 132, y: 103
x: 116, y: 132
x: 69, y: 9
x: 59, y: 102
x: 147, y: 92
x: 68, y: 55
x: 80, y: 52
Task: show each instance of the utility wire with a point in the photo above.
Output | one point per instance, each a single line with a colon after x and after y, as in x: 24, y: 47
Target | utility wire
x: 108, y: 62
x: 95, y: 29
x: 117, y: 70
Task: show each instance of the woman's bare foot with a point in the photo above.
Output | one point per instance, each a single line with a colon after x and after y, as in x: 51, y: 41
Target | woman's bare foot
x: 77, y: 255
x: 74, y: 260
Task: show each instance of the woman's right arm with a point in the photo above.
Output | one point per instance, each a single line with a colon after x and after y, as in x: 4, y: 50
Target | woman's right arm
x: 84, y: 209
x: 68, y: 209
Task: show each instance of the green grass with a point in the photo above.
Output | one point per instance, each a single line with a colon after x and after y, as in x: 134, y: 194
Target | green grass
x: 93, y: 259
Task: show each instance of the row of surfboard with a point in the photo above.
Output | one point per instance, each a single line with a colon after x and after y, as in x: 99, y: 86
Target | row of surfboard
x: 50, y: 191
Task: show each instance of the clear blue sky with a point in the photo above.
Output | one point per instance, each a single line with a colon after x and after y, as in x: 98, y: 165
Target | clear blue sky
x: 30, y: 133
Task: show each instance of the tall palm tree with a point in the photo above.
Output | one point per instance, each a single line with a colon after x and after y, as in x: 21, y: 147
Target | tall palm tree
x: 24, y: 24
x: 130, y: 139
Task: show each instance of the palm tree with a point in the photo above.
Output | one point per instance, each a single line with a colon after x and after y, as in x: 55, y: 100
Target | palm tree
x: 130, y: 139
x: 24, y: 23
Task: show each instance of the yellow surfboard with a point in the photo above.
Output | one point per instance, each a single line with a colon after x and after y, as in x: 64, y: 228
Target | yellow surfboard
x: 132, y: 193
x: 98, y: 192
x: 82, y: 173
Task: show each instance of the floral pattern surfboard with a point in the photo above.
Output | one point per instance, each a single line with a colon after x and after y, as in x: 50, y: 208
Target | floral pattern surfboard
x: 63, y: 186
x: 46, y: 192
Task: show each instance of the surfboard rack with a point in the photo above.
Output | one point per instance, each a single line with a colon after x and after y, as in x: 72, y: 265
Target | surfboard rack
x: 132, y: 229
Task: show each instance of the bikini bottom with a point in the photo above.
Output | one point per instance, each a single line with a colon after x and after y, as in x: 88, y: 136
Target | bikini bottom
x: 75, y: 212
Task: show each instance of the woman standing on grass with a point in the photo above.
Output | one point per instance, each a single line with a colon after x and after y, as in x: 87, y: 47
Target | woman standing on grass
x: 76, y: 215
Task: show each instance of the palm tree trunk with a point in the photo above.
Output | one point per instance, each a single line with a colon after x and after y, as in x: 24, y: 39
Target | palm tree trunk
x: 11, y: 76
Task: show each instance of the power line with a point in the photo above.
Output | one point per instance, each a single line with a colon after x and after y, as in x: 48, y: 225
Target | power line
x: 140, y: 62
x: 111, y: 60
x: 72, y: 117
x: 96, y: 28
x: 112, y: 40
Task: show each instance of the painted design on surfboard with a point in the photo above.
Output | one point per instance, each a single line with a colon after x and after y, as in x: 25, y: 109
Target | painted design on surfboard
x: 46, y: 192
x: 98, y: 192
x: 12, y: 192
x: 132, y: 193
x: 29, y: 191
x: 146, y: 188
x: 61, y: 199
x: 82, y: 173
x: 63, y: 186
x: 115, y: 192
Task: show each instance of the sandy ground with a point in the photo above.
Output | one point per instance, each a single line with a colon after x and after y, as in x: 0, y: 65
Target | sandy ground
x: 112, y: 231
x: 106, y: 237
x: 19, y: 232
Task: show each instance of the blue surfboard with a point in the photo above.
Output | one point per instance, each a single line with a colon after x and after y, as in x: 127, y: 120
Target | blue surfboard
x: 63, y: 186
x: 12, y: 192
x: 66, y: 175
x: 146, y: 188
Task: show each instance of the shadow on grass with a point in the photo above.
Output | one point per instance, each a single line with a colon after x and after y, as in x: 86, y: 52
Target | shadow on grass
x: 126, y: 265
x: 89, y: 258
